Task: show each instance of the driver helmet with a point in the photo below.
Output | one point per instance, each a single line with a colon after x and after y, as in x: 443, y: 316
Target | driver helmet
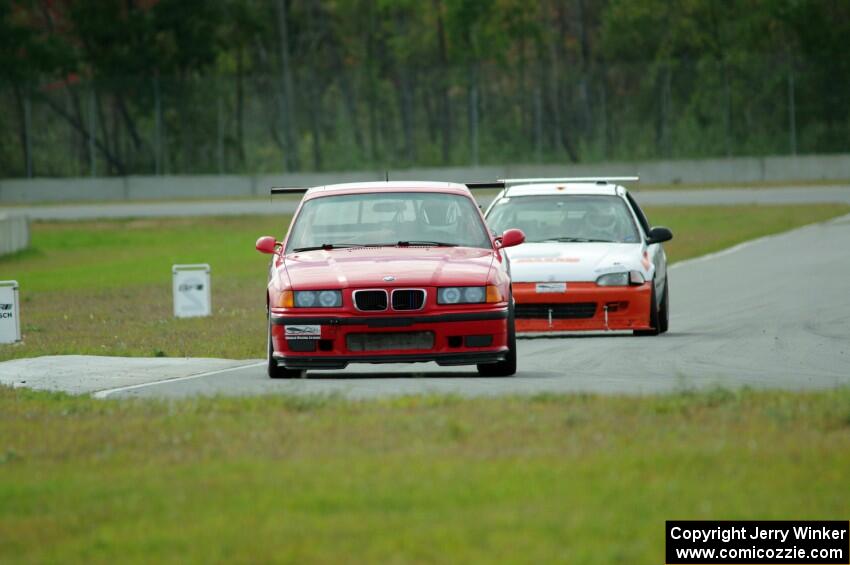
x: 602, y: 218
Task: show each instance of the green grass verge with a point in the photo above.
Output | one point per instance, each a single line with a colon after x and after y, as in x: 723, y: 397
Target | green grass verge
x: 105, y: 287
x: 570, y: 479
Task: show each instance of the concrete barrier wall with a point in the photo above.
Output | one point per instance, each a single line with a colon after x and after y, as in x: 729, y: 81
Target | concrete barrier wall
x: 14, y: 233
x: 702, y: 171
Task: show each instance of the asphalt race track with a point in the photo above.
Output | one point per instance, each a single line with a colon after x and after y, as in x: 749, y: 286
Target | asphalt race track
x: 771, y: 313
x: 284, y: 205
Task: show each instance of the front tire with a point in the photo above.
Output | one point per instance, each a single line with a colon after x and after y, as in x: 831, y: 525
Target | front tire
x: 506, y: 368
x: 664, y: 314
x: 274, y: 370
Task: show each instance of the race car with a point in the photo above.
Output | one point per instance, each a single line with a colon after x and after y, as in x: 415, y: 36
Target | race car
x: 590, y: 260
x: 382, y: 272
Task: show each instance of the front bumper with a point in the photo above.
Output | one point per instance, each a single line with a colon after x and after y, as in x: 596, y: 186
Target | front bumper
x: 584, y: 306
x: 455, y: 338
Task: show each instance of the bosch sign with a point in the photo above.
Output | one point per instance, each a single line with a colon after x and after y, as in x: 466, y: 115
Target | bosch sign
x: 10, y: 325
x: 191, y: 284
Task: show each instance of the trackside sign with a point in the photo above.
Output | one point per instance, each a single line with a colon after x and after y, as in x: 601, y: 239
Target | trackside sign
x: 10, y: 321
x: 191, y: 286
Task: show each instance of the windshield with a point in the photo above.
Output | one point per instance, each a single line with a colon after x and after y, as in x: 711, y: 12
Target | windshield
x: 565, y: 218
x: 388, y: 218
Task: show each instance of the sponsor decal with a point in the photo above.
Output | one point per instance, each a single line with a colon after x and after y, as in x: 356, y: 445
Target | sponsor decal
x: 303, y: 332
x: 188, y: 287
x: 6, y: 311
x: 550, y: 287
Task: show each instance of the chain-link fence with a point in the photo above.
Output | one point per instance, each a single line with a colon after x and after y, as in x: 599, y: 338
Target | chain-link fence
x: 421, y: 117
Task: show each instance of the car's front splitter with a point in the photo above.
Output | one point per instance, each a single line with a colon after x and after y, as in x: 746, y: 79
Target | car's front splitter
x: 342, y: 361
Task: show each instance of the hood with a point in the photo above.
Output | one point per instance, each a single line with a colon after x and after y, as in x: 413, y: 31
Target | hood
x: 366, y: 267
x: 573, y: 262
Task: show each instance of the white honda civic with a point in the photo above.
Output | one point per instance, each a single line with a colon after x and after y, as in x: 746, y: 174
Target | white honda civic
x: 590, y: 260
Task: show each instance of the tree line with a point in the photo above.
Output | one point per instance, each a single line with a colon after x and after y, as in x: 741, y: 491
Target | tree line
x: 116, y: 87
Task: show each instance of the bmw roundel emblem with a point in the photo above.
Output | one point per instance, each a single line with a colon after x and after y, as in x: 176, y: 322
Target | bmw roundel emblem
x: 389, y: 278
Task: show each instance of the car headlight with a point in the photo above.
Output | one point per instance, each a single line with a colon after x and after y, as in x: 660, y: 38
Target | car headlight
x: 318, y: 298
x: 462, y: 295
x: 621, y: 279
x: 330, y: 299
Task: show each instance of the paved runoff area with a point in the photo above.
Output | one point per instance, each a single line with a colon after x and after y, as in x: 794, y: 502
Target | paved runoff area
x: 770, y: 313
x: 287, y: 205
x: 80, y: 374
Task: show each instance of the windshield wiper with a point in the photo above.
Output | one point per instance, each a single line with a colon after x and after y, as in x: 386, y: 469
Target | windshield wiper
x: 580, y: 240
x: 425, y: 242
x: 328, y: 246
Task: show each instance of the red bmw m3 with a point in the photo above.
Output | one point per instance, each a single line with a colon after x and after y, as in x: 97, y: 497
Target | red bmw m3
x: 386, y: 272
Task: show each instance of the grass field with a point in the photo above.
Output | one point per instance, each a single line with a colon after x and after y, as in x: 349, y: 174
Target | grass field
x: 569, y: 479
x: 105, y: 287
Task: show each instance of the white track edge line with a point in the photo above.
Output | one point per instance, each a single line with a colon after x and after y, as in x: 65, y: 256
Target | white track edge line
x: 748, y: 243
x: 107, y: 392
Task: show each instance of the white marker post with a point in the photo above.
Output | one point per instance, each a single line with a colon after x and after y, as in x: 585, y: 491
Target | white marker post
x: 10, y: 320
x: 191, y: 285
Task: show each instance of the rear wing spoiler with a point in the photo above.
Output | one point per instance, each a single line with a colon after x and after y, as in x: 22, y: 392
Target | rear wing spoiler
x: 289, y: 190
x: 503, y: 183
x: 498, y: 184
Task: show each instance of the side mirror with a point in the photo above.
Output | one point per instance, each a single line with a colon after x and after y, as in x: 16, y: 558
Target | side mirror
x: 267, y: 244
x: 659, y: 235
x: 512, y: 237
